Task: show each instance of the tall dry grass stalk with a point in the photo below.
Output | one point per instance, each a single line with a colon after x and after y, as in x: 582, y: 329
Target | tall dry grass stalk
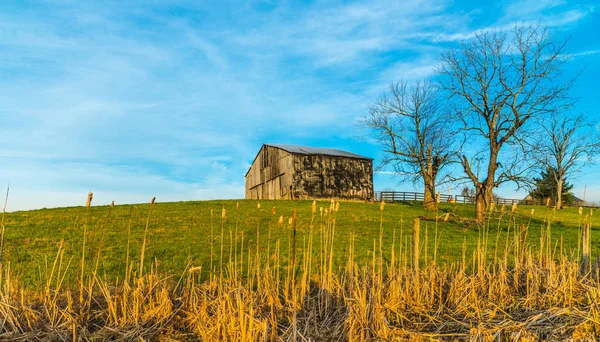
x: 143, y: 252
x: 88, y: 204
x: 127, y: 251
x: 415, y: 244
x: 516, y: 293
x: 2, y: 227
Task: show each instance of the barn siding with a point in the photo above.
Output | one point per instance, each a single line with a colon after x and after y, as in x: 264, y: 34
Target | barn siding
x: 270, y: 180
x: 309, y: 176
x: 332, y: 176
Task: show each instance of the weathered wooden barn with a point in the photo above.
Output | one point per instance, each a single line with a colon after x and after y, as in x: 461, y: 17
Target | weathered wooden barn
x: 292, y: 172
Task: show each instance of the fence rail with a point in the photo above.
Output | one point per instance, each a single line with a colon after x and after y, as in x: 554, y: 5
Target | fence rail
x: 403, y: 196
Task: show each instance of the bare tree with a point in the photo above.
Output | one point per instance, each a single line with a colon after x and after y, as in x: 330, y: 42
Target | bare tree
x: 498, y: 84
x: 568, y: 143
x: 409, y: 125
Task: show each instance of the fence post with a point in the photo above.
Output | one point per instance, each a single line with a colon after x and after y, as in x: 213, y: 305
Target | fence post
x: 415, y: 243
x: 585, y: 250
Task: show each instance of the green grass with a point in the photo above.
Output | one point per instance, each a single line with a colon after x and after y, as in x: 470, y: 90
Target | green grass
x: 180, y: 233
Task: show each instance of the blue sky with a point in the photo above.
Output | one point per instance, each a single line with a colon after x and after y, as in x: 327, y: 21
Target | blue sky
x: 174, y: 98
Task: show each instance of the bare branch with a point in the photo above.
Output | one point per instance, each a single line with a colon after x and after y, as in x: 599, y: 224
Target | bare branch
x: 568, y: 144
x: 413, y: 132
x: 499, y: 84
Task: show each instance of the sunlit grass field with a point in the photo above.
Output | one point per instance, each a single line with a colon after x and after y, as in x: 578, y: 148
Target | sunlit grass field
x: 181, y: 234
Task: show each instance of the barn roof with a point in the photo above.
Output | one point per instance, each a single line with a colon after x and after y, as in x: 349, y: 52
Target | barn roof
x: 307, y: 150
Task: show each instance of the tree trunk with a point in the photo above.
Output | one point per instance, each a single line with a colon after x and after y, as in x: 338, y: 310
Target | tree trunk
x: 479, y: 206
x: 483, y: 198
x: 559, y: 190
x: 430, y: 202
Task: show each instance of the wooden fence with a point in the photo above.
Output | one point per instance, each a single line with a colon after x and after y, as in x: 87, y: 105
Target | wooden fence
x: 403, y: 196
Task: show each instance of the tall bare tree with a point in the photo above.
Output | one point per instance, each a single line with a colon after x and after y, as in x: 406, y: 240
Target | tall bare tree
x: 408, y: 123
x: 499, y: 83
x: 568, y: 143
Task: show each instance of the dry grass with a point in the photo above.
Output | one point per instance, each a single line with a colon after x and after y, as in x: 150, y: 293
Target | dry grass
x: 521, y: 292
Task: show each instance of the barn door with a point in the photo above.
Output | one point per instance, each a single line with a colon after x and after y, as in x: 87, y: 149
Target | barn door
x: 276, y: 186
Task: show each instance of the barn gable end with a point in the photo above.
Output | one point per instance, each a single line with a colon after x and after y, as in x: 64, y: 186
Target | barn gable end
x: 270, y: 174
x: 289, y: 171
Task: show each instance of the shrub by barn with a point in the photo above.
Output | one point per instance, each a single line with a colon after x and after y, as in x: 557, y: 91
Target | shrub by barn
x: 299, y: 172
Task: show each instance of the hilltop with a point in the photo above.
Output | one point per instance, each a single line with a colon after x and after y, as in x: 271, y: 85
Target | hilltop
x: 182, y: 233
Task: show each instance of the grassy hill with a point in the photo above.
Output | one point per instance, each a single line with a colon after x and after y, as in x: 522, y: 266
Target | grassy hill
x: 194, y: 233
x: 232, y: 275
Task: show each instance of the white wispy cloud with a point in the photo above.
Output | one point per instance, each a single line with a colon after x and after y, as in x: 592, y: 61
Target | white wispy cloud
x: 580, y: 54
x: 547, y: 13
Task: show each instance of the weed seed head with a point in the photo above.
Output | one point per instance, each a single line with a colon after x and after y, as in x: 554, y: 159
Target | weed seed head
x: 195, y: 269
x: 88, y: 203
